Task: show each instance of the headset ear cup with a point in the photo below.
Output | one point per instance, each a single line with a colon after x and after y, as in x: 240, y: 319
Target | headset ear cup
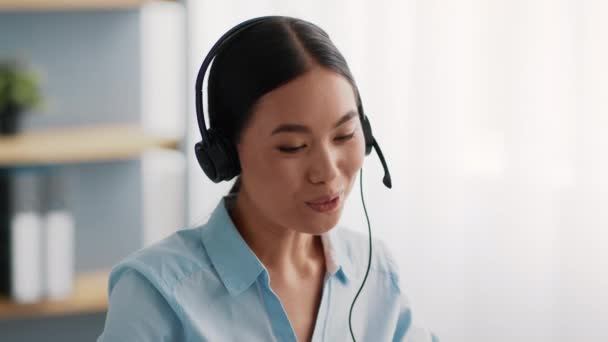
x: 217, y: 157
x: 367, y: 134
x: 230, y: 164
x: 205, y: 161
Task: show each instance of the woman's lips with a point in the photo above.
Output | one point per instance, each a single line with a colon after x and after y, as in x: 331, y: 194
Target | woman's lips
x: 325, y: 206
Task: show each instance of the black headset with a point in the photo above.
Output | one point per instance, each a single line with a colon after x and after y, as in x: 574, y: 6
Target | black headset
x: 216, y: 155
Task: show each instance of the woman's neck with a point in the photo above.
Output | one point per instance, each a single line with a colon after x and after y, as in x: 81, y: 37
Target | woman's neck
x: 282, y: 250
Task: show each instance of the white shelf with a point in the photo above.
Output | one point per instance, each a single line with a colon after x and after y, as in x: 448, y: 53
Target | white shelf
x: 78, y: 145
x: 89, y: 296
x: 61, y: 5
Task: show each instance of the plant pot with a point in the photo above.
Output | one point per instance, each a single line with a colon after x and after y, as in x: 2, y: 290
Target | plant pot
x: 9, y: 121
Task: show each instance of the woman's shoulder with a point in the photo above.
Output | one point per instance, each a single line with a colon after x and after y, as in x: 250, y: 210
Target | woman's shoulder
x: 166, y: 262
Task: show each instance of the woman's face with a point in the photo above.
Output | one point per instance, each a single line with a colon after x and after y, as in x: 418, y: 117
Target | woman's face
x: 302, y: 148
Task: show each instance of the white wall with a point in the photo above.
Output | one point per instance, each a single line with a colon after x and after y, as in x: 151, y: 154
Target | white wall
x: 493, y: 118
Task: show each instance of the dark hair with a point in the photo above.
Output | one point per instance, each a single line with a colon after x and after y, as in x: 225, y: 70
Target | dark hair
x: 259, y: 59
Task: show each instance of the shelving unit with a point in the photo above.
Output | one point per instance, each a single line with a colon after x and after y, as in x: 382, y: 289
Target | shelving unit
x: 78, y: 144
x: 64, y: 146
x: 61, y: 5
x: 139, y: 43
x: 89, y: 296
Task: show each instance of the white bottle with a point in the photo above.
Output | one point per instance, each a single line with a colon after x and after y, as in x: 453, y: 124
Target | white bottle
x: 58, y: 225
x: 26, y: 235
x: 59, y: 231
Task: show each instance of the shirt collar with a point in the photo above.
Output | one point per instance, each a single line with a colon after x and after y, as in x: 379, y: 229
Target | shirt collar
x: 237, y: 265
x: 336, y: 261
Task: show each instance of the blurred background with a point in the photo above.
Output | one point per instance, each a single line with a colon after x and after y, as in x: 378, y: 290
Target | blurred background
x: 492, y: 114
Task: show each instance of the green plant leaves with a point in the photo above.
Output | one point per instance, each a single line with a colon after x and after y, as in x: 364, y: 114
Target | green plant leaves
x: 19, y: 87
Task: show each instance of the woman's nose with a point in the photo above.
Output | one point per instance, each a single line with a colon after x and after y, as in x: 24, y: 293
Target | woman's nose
x: 324, y: 166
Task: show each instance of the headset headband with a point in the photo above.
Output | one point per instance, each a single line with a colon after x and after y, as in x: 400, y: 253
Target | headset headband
x: 215, y: 50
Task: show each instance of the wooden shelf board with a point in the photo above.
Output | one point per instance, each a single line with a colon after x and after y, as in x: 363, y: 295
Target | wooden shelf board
x: 78, y: 145
x: 89, y: 296
x: 60, y: 5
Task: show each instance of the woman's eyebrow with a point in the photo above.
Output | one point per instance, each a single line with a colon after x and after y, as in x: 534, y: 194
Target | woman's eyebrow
x: 296, y: 128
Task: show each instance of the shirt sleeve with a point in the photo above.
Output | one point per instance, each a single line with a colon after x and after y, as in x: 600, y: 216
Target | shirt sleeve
x: 408, y: 332
x: 138, y: 312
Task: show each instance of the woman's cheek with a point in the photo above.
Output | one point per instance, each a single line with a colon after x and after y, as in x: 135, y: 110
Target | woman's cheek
x: 288, y: 171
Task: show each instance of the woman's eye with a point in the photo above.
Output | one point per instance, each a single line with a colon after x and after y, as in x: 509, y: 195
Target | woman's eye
x: 290, y: 149
x: 345, y: 137
x: 294, y: 149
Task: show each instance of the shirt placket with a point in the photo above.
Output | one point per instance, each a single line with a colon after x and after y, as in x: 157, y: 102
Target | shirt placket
x: 322, y: 315
x: 281, y: 326
x: 279, y: 321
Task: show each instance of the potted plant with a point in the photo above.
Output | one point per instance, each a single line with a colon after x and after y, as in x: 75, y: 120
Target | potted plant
x: 19, y: 92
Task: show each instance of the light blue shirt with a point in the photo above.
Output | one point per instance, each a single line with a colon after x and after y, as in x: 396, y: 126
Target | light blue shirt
x: 206, y: 284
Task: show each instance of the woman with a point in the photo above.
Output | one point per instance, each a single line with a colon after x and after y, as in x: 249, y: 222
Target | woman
x: 269, y: 264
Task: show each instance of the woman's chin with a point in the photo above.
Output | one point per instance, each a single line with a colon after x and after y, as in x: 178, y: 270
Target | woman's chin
x: 318, y: 224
